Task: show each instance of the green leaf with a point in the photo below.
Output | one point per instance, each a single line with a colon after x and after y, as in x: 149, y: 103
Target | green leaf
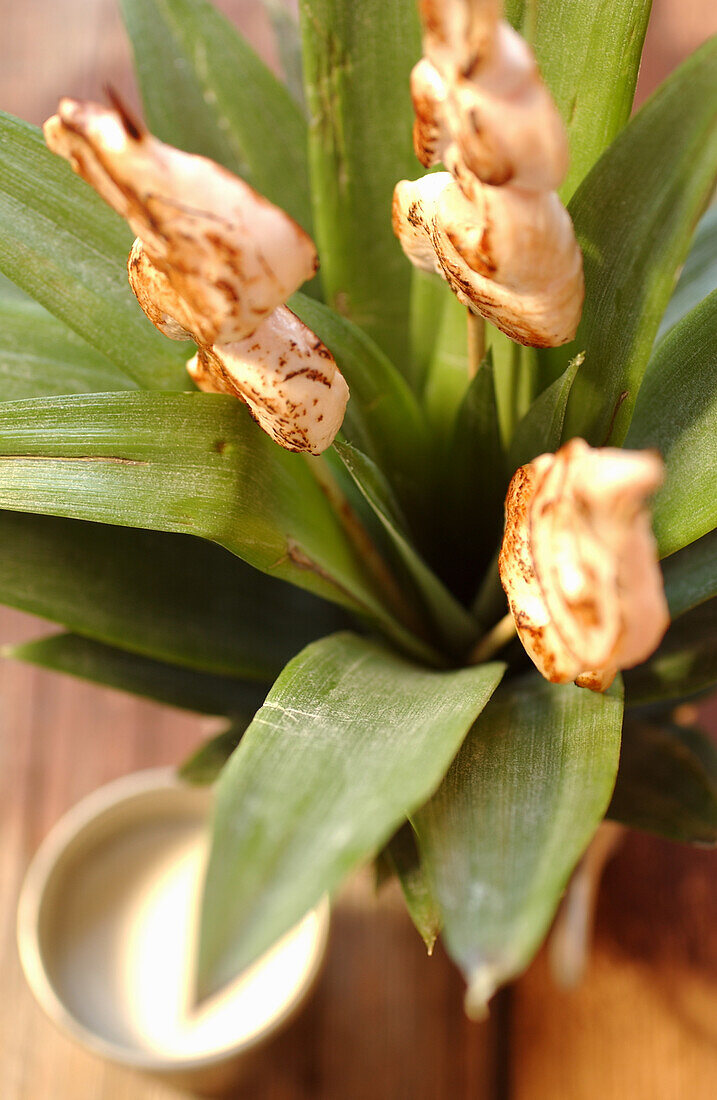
x: 189, y: 463
x: 455, y: 627
x: 205, y: 764
x: 11, y: 294
x: 350, y: 740
x: 206, y: 91
x: 634, y: 216
x: 115, y: 668
x: 515, y: 12
x: 512, y: 817
x: 667, y: 782
x: 541, y: 429
x: 699, y: 275
x: 357, y: 62
x: 690, y: 575
x: 41, y: 356
x: 685, y: 664
x: 516, y: 380
x: 383, y: 417
x: 62, y: 245
x: 288, y: 41
x: 676, y: 412
x: 171, y: 597
x: 475, y: 483
x: 489, y: 603
x: 428, y: 300
x: 402, y: 855
x: 589, y: 55
x: 448, y: 377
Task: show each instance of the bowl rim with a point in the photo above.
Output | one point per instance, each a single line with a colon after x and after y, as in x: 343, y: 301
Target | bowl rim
x: 66, y: 832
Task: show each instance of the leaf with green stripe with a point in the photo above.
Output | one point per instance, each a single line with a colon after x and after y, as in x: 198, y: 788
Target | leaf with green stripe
x: 357, y: 62
x: 512, y: 817
x: 40, y: 356
x: 634, y: 216
x: 65, y: 248
x: 206, y: 90
x: 175, y: 598
x: 189, y: 463
x: 116, y: 668
x: 589, y: 54
x: 676, y: 412
x: 667, y: 782
x: 351, y: 739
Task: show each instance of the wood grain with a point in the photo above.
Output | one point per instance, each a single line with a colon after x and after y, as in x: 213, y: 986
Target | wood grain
x: 644, y: 1021
x: 386, y: 1022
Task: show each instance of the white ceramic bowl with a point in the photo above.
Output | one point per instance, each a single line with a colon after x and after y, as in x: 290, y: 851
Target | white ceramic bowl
x: 106, y: 929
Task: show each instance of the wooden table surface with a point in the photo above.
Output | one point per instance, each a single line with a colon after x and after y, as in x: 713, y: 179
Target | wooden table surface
x: 386, y: 1022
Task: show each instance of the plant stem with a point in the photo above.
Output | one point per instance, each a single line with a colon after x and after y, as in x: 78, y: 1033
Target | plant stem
x: 502, y: 633
x: 476, y: 342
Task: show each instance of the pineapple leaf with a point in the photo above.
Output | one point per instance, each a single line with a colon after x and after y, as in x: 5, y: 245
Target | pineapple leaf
x: 676, y: 412
x: 41, y: 356
x: 174, y: 598
x: 690, y: 575
x: 383, y: 417
x: 11, y: 294
x: 634, y: 216
x: 429, y: 295
x: 206, y: 91
x: 589, y: 55
x: 515, y: 12
x: 541, y: 428
x: 474, y: 482
x: 698, y: 277
x: 189, y: 463
x: 205, y: 764
x: 448, y: 379
x: 511, y: 819
x: 62, y: 245
x: 287, y: 36
x: 516, y: 379
x: 667, y: 782
x: 404, y: 859
x: 685, y: 664
x: 116, y: 668
x: 357, y: 61
x: 350, y: 740
x: 456, y: 629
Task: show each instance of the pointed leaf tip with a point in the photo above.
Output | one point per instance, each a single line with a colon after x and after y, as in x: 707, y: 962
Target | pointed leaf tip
x: 483, y: 985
